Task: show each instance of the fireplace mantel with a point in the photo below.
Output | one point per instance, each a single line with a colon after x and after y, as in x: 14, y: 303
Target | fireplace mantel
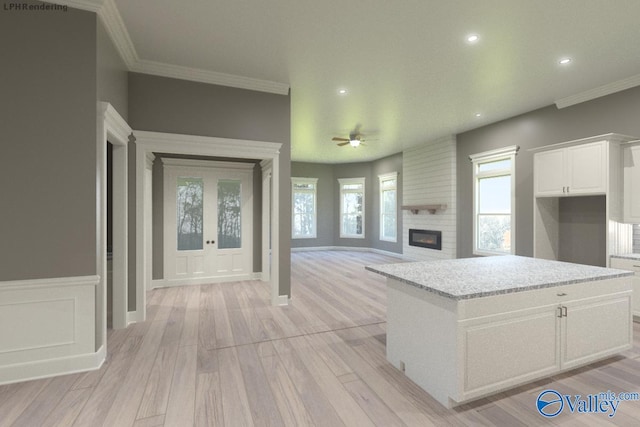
x: 430, y: 208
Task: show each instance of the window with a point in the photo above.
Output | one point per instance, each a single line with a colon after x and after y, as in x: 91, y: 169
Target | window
x: 304, y: 212
x: 388, y: 206
x: 352, y: 207
x: 494, y: 201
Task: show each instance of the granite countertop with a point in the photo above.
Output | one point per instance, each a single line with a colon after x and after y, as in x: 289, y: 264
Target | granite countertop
x: 627, y: 256
x: 479, y: 277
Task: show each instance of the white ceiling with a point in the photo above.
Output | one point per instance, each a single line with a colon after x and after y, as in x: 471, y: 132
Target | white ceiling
x: 411, y: 75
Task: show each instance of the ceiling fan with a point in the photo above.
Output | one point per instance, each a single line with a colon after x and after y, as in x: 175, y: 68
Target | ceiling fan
x: 355, y: 138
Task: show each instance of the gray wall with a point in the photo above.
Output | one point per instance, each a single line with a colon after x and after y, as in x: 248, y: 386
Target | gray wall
x: 48, y: 161
x: 112, y: 73
x: 636, y: 239
x: 583, y: 221
x: 178, y: 106
x: 328, y: 199
x: 618, y: 113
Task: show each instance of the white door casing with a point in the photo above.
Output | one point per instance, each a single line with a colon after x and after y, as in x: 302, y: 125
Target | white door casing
x: 207, y: 257
x: 149, y: 142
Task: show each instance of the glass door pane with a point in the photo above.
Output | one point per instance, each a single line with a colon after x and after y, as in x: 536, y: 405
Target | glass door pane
x: 229, y: 214
x: 189, y: 220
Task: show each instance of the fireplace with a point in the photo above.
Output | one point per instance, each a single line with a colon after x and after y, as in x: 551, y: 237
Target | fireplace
x: 425, y: 238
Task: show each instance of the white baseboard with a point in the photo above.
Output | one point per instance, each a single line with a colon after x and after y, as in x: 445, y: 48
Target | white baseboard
x: 47, y: 327
x: 133, y: 317
x: 168, y: 283
x: 347, y: 248
x: 281, y: 300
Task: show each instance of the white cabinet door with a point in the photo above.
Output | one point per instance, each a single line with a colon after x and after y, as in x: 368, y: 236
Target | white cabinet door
x: 632, y: 184
x: 594, y: 328
x: 549, y: 173
x: 508, y: 349
x: 571, y: 171
x: 587, y: 168
x: 631, y: 265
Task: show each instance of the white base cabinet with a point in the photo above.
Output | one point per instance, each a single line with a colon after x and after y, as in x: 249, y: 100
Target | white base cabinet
x: 461, y: 350
x: 631, y: 265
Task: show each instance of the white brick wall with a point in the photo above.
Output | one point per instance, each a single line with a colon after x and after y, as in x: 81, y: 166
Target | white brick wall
x: 429, y: 177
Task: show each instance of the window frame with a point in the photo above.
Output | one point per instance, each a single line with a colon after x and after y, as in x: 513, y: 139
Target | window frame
x: 350, y: 181
x: 506, y: 153
x: 392, y: 176
x: 301, y: 180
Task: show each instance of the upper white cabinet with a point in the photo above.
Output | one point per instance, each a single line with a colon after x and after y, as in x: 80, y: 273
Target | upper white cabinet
x: 585, y: 167
x: 571, y: 171
x: 632, y: 184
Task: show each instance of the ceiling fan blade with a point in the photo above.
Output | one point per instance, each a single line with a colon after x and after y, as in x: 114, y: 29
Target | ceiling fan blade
x: 335, y: 138
x: 341, y: 144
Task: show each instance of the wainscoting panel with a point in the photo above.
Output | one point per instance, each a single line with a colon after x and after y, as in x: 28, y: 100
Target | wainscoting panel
x: 47, y: 326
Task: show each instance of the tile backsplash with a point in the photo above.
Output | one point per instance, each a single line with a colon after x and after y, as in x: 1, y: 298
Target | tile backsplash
x: 636, y: 239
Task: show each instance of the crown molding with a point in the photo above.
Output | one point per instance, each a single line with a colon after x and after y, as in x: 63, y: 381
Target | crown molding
x: 112, y: 20
x: 205, y: 76
x: 108, y: 12
x: 90, y: 5
x: 597, y: 92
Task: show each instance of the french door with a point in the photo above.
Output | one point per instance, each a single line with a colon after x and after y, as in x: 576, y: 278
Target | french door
x: 208, y: 210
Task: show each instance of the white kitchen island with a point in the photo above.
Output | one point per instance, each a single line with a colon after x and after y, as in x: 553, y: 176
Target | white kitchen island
x: 466, y: 328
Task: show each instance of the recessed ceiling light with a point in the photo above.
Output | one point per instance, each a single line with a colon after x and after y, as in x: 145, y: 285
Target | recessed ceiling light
x: 342, y: 91
x: 564, y: 61
x: 472, y: 38
x: 478, y: 114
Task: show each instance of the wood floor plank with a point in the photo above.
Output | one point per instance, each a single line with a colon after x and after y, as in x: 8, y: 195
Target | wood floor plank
x: 181, y: 404
x: 235, y: 403
x: 17, y: 397
x: 263, y: 406
x: 290, y: 403
x: 38, y: 410
x: 208, y: 404
x: 156, y: 393
x: 68, y: 409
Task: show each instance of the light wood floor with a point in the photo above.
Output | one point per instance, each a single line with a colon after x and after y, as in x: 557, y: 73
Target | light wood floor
x: 219, y: 355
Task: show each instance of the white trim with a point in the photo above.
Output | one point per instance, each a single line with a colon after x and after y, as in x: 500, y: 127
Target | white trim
x: 170, y: 162
x: 499, y: 153
x: 267, y: 170
x: 198, y: 281
x: 50, y: 327
x: 205, y: 76
x: 147, y: 142
x: 114, y: 129
x: 74, y: 364
x: 347, y: 181
x: 349, y: 248
x: 302, y: 180
x: 113, y: 23
x: 381, y: 178
x: 609, y: 137
x: 283, y: 300
x: 599, y: 91
x: 488, y: 157
x: 133, y: 317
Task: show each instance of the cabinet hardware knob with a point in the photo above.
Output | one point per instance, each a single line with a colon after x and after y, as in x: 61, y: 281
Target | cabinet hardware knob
x: 561, y: 294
